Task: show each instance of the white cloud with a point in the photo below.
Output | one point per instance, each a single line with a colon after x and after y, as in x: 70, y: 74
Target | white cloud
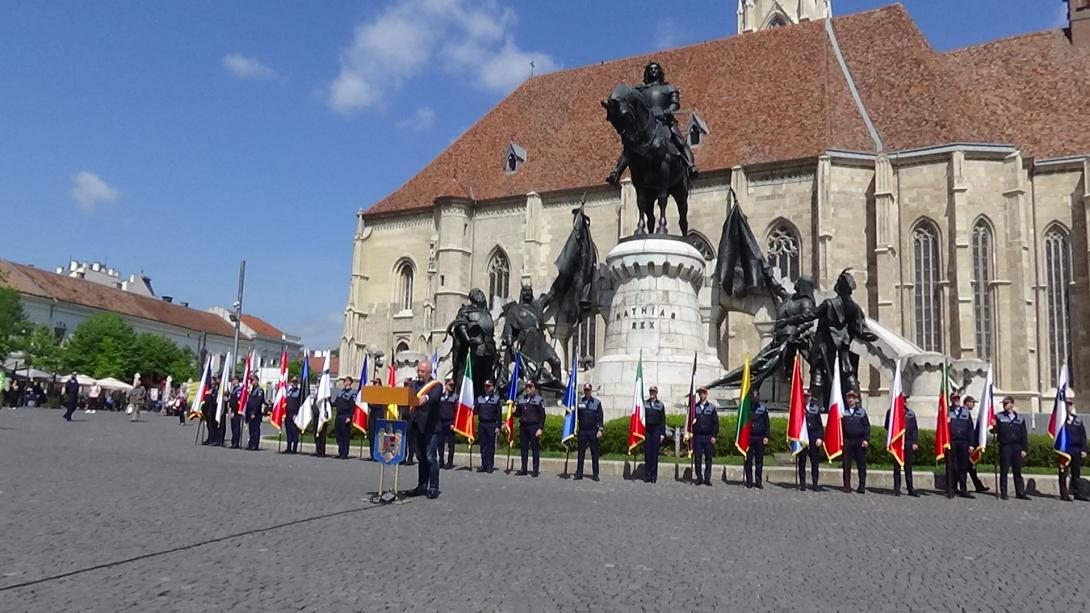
x: 420, y: 121
x: 469, y: 38
x: 89, y: 191
x: 247, y: 68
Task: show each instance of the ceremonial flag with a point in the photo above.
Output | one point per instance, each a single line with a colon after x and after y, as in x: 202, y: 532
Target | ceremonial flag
x: 325, y: 392
x: 228, y: 366
x: 391, y: 381
x: 690, y: 417
x: 280, y: 399
x: 435, y: 363
x: 834, y: 429
x: 571, y: 417
x: 745, y: 405
x: 202, y: 390
x: 942, y: 416
x: 985, y: 417
x: 245, y: 396
x: 637, y: 426
x: 895, y: 433
x: 512, y: 390
x: 1058, y: 419
x: 463, y: 412
x: 302, y: 418
x: 360, y: 412
x: 798, y: 436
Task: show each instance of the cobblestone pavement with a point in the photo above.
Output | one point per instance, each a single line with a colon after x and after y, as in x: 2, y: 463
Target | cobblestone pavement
x: 106, y: 515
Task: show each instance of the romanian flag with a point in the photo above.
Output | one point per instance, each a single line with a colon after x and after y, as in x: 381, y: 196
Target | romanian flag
x: 745, y: 405
x: 895, y: 429
x: 571, y: 417
x: 834, y: 429
x: 798, y: 437
x: 463, y: 412
x: 359, y: 413
x: 391, y: 381
x: 985, y: 417
x: 1058, y: 420
x: 942, y: 416
x: 509, y: 410
x: 202, y: 390
x: 245, y: 395
x: 280, y: 400
x: 690, y: 417
x: 637, y: 426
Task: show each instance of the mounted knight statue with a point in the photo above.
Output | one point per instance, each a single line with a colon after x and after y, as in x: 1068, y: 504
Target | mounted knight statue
x: 653, y: 149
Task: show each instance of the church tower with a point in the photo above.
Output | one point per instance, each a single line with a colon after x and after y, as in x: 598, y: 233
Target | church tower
x: 754, y: 15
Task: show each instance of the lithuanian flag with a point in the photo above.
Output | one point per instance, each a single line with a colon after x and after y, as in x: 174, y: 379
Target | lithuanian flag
x: 745, y: 404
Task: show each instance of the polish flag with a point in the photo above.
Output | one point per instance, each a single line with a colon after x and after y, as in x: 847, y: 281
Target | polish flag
x: 834, y: 433
x: 895, y: 429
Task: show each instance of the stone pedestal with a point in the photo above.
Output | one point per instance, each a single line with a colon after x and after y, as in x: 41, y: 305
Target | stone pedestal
x: 653, y: 308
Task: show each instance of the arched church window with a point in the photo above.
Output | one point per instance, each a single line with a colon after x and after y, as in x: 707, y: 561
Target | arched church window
x: 702, y: 244
x: 499, y: 276
x: 777, y: 22
x: 784, y: 247
x: 405, y: 285
x: 1057, y: 302
x: 926, y: 299
x: 983, y: 254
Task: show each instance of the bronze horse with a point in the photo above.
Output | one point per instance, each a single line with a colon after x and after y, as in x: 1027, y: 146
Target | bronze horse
x: 658, y: 168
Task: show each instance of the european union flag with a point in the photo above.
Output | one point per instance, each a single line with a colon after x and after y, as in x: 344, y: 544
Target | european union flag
x: 571, y: 419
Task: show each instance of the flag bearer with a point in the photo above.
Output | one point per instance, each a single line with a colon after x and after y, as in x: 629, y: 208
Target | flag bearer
x: 912, y: 437
x: 814, y: 431
x: 759, y: 429
x: 655, y: 417
x: 343, y: 404
x: 294, y: 401
x: 1010, y: 429
x: 705, y: 431
x: 255, y: 410
x: 530, y: 411
x: 236, y: 417
x: 1076, y: 447
x: 488, y: 418
x: 591, y: 428
x: 856, y: 428
x: 447, y: 404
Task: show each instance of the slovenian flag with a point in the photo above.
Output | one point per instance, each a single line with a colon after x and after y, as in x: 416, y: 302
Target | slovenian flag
x: 1058, y: 419
x: 745, y: 407
x: 637, y: 426
x: 985, y: 417
x: 895, y: 429
x: 798, y: 437
x: 834, y: 429
x: 463, y: 413
x: 571, y: 417
x: 512, y: 391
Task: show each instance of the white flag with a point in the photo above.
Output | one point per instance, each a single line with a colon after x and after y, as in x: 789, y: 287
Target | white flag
x: 227, y: 364
x: 325, y: 392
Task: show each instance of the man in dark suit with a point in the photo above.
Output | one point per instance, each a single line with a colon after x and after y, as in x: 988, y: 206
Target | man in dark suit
x: 424, y: 430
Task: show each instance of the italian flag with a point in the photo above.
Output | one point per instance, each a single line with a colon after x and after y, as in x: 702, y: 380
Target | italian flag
x: 942, y: 417
x: 745, y: 405
x: 637, y: 427
x: 895, y: 434
x: 463, y: 413
x: 834, y: 429
x: 280, y: 400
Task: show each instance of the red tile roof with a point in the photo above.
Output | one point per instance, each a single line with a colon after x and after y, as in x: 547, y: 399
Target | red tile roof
x: 315, y: 363
x: 45, y: 284
x: 261, y: 327
x: 778, y: 95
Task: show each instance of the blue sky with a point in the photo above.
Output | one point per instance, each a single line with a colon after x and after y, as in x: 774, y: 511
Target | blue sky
x: 180, y: 137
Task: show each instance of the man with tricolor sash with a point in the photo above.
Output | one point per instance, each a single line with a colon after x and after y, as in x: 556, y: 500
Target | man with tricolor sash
x: 424, y: 421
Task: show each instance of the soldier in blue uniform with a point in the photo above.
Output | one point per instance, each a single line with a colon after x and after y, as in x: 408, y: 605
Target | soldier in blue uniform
x: 591, y: 428
x: 447, y: 404
x: 487, y: 408
x: 856, y: 427
x: 912, y: 437
x: 255, y: 410
x: 233, y: 400
x: 1010, y: 429
x: 962, y: 437
x: 1075, y: 432
x: 344, y: 403
x: 814, y: 431
x: 705, y: 431
x: 425, y: 421
x: 530, y: 411
x: 294, y: 399
x: 655, y: 421
x: 970, y: 405
x: 759, y: 429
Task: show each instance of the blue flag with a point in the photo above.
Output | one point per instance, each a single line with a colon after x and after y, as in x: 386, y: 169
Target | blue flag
x: 435, y: 363
x: 513, y: 384
x: 571, y: 419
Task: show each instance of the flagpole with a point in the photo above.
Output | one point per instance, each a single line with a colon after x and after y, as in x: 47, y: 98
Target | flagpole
x: 199, y: 424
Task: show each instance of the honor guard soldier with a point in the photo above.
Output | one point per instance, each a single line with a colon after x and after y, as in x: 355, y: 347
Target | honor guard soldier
x: 814, y: 431
x: 1075, y: 432
x: 255, y: 410
x: 962, y: 437
x: 447, y: 403
x: 1010, y: 429
x: 591, y: 428
x: 343, y: 405
x: 487, y: 408
x: 425, y: 420
x: 856, y: 427
x: 912, y: 437
x: 236, y: 415
x: 655, y: 421
x: 294, y: 398
x: 759, y: 429
x: 705, y: 429
x: 208, y: 409
x: 530, y: 411
x: 970, y: 405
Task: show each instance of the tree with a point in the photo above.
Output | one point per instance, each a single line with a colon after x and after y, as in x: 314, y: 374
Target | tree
x: 102, y: 346
x: 157, y: 357
x: 41, y: 349
x: 13, y: 322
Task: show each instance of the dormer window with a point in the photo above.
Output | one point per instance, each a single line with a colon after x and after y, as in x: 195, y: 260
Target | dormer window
x: 514, y: 158
x: 696, y: 130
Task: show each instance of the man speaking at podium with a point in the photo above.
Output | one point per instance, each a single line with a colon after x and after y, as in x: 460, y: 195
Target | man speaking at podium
x: 424, y: 419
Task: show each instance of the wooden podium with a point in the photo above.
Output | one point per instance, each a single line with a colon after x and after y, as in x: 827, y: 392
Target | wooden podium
x: 379, y: 395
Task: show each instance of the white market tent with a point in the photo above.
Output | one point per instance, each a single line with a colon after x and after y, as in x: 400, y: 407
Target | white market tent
x: 81, y: 379
x: 113, y: 384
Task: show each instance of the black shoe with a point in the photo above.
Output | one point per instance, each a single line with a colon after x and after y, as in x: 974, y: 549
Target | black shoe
x: 1022, y: 497
x: 1081, y: 498
x: 654, y: 479
x: 708, y: 482
x: 433, y: 494
x: 749, y: 485
x: 577, y: 478
x: 965, y: 495
x: 647, y: 480
x: 1065, y: 498
x: 861, y: 490
x: 802, y: 488
x: 595, y: 478
x: 982, y: 489
x: 759, y: 486
x: 846, y: 489
x: 521, y: 473
x: 1002, y: 496
x: 896, y: 492
x: 534, y: 474
x: 410, y: 463
x: 234, y: 446
x: 491, y: 470
x: 482, y: 470
x: 913, y: 493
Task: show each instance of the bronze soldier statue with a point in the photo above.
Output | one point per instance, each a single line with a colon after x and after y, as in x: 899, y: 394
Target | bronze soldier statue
x: 665, y: 101
x: 473, y: 333
x: 524, y: 332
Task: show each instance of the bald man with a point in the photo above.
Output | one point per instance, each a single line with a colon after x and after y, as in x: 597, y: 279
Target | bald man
x: 424, y: 424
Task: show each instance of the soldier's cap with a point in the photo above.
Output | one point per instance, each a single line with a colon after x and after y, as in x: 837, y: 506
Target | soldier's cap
x: 955, y: 395
x: 653, y: 388
x: 702, y: 389
x: 970, y: 399
x: 587, y: 386
x: 294, y: 378
x: 488, y: 383
x: 852, y: 394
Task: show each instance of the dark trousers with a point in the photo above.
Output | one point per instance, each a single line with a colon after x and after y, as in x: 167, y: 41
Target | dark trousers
x: 486, y: 436
x: 70, y: 407
x: 446, y: 441
x: 254, y: 426
x: 236, y: 429
x: 702, y: 457
x: 959, y: 453
x: 1071, y: 473
x: 587, y: 438
x: 293, y: 433
x: 813, y: 454
x: 855, y: 452
x: 427, y: 456
x: 977, y: 483
x: 319, y: 443
x: 530, y: 443
x: 372, y: 417
x: 342, y: 429
x: 910, y: 458
x: 651, y: 441
x: 755, y: 458
x: 210, y: 423
x: 1010, y: 460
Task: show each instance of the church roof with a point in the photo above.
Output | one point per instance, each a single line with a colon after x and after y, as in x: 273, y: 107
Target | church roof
x: 772, y: 96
